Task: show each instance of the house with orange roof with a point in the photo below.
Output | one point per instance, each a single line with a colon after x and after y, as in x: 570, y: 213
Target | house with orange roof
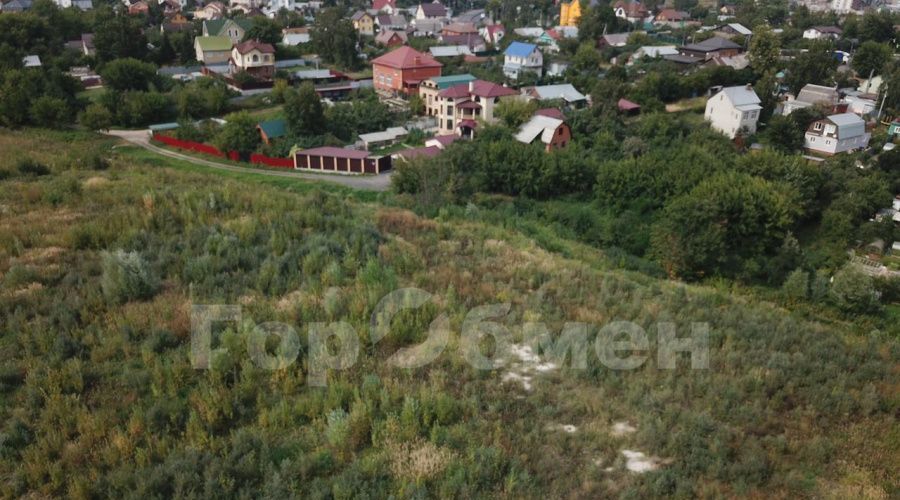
x: 402, y: 70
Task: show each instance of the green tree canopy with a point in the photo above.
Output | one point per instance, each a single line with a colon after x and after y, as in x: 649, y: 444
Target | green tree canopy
x: 238, y: 134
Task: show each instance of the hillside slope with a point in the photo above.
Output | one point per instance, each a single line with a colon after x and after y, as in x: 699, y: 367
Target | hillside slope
x: 102, y: 262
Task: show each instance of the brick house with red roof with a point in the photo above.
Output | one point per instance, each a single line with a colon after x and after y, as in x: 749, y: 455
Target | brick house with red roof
x: 402, y: 70
x: 462, y: 106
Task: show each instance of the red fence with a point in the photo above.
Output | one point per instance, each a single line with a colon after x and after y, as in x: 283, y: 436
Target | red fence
x: 189, y: 145
x: 272, y: 162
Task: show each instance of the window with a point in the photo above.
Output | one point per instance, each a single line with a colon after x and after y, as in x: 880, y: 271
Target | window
x: 450, y: 110
x: 753, y: 114
x: 255, y: 58
x: 817, y: 126
x: 449, y: 124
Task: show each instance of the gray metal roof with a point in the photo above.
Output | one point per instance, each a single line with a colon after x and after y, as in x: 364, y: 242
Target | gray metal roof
x: 741, y: 95
x: 562, y: 91
x: 848, y: 125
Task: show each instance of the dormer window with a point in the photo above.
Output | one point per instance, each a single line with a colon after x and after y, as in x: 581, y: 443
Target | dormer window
x: 817, y: 126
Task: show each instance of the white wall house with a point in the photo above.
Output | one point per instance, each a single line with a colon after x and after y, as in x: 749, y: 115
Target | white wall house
x: 820, y: 32
x: 733, y: 111
x: 836, y: 134
x: 520, y: 57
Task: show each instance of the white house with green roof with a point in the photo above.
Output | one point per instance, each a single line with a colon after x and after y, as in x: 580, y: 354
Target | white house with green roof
x: 212, y: 49
x: 235, y: 29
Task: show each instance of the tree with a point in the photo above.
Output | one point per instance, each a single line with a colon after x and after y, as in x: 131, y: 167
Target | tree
x: 796, y: 286
x: 877, y: 27
x: 586, y: 57
x: 265, y: 30
x: 47, y: 111
x: 416, y: 105
x: 303, y: 110
x: 765, y: 50
x: 238, y: 134
x: 128, y: 74
x: 853, y: 291
x: 871, y: 58
x: 814, y: 66
x: 783, y: 134
x: 118, y: 35
x: 334, y: 37
x: 513, y: 113
x: 722, y: 225
x: 96, y: 117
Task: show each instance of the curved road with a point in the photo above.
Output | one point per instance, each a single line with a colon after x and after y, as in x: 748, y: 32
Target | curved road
x: 380, y: 182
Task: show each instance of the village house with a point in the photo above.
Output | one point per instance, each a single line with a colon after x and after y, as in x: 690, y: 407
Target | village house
x: 733, y: 29
x: 564, y: 92
x: 87, y: 44
x: 394, y: 22
x: 548, y: 126
x: 493, y: 33
x: 402, y: 70
x: 391, y: 38
x: 385, y: 6
x: 522, y: 57
x: 433, y: 10
x: 633, y: 12
x: 472, y: 41
x: 16, y: 6
x: 734, y: 111
x: 363, y: 23
x: 234, y: 29
x: 78, y: 4
x: 138, y: 8
x: 430, y: 88
x: 457, y: 28
x: 672, y: 18
x: 292, y: 37
x: 212, y: 10
x: 176, y: 23
x: 710, y: 48
x: 569, y: 13
x: 255, y: 58
x: 613, y: 40
x: 812, y: 95
x: 463, y: 105
x: 212, y: 50
x: 270, y: 130
x: 822, y: 32
x: 836, y: 134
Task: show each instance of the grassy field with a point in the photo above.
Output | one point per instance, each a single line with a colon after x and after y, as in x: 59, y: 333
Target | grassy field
x: 103, y: 253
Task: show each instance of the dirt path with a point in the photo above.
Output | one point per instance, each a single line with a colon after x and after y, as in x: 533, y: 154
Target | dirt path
x: 381, y: 182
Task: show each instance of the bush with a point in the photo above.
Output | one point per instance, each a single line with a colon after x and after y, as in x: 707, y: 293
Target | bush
x: 853, y: 291
x: 32, y: 167
x: 127, y: 276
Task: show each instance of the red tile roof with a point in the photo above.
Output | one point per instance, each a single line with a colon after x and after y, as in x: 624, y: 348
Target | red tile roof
x: 626, y: 105
x: 407, y: 58
x: 478, y: 88
x: 551, y: 112
x: 380, y: 4
x: 249, y: 45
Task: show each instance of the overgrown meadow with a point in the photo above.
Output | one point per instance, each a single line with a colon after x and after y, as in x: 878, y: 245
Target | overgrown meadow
x: 103, y: 254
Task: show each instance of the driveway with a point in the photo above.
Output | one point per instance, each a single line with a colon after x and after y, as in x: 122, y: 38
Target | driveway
x: 380, y: 182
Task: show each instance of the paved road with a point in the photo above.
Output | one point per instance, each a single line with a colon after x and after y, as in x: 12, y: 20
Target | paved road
x: 381, y: 182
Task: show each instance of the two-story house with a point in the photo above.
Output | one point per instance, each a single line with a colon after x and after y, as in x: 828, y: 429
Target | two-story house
x: 430, y: 88
x: 255, y: 58
x: 433, y: 10
x: 734, y: 111
x: 522, y: 57
x: 836, y: 134
x: 462, y: 106
x: 363, y: 23
x: 235, y: 29
x: 402, y: 70
x: 212, y: 50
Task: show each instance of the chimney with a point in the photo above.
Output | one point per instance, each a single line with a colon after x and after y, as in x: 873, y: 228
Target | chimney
x: 417, y: 60
x: 749, y: 86
x: 472, y: 86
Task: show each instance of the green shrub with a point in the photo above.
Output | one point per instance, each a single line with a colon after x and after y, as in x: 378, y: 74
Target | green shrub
x: 127, y: 276
x: 32, y: 168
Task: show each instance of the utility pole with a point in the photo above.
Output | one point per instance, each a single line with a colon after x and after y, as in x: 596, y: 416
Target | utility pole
x: 883, y: 98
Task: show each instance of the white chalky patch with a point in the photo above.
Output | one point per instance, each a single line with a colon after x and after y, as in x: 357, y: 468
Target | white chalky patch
x: 622, y: 428
x: 638, y: 461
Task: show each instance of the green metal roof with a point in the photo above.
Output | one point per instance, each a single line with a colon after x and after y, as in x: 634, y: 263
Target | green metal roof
x: 444, y: 82
x: 214, y: 43
x: 215, y: 27
x: 274, y: 128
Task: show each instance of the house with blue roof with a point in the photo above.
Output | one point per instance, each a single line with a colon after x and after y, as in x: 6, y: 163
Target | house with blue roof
x: 522, y: 57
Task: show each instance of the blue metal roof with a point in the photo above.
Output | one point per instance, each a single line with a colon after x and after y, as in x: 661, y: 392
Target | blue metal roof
x: 519, y: 49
